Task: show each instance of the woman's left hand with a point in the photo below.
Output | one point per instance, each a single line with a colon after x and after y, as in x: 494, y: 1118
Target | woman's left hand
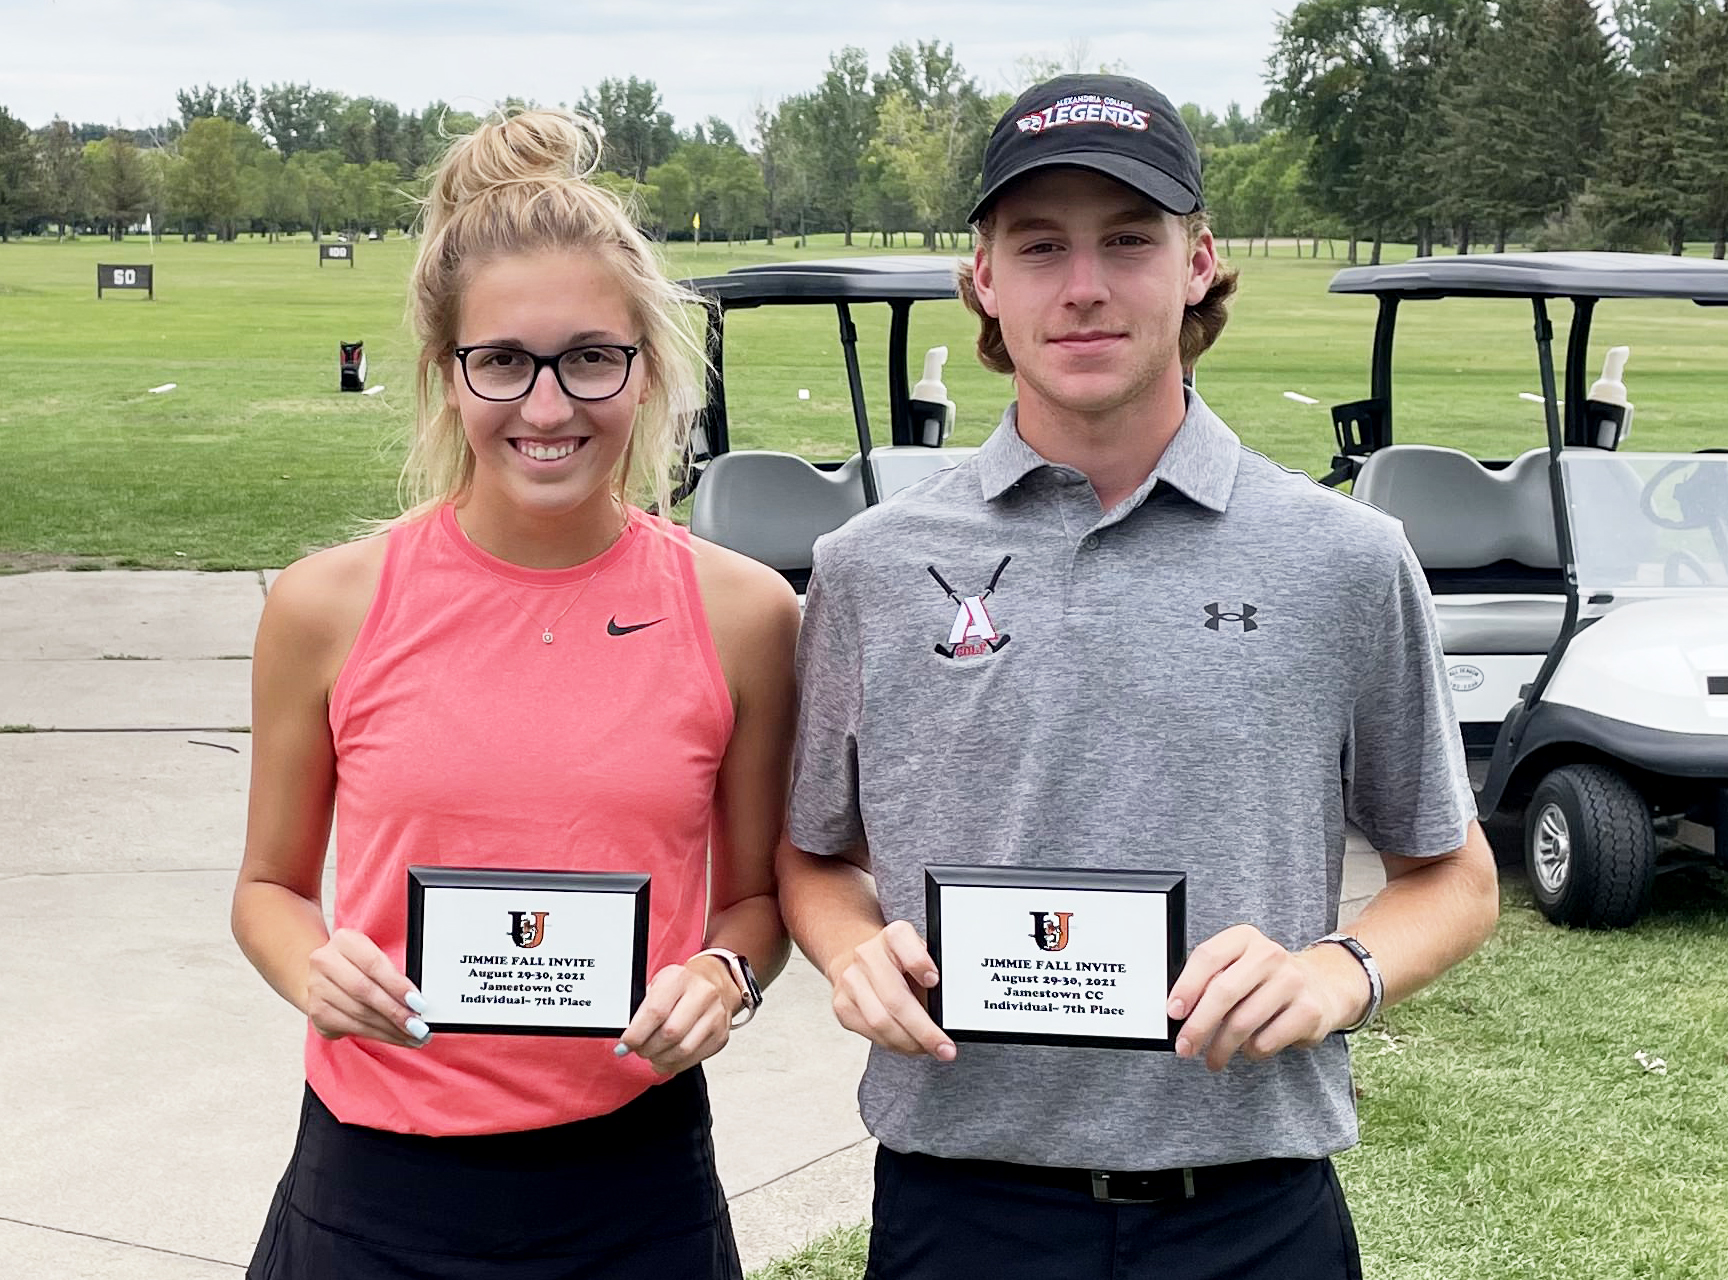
x: 685, y: 1017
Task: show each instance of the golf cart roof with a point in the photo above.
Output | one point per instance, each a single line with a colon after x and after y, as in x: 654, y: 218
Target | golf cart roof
x: 862, y: 279
x: 1544, y: 275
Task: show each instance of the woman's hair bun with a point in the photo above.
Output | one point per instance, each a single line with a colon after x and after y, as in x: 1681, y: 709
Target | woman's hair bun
x: 538, y: 145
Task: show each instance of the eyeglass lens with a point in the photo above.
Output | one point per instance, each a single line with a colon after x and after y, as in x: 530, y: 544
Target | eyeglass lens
x: 590, y: 373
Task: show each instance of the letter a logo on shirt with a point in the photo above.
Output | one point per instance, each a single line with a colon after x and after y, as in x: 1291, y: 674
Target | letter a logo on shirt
x: 972, y: 623
x: 973, y: 634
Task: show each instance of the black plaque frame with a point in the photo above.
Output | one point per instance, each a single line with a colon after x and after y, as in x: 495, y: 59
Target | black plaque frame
x: 143, y: 278
x: 344, y: 252
x: 421, y: 879
x: 1171, y: 885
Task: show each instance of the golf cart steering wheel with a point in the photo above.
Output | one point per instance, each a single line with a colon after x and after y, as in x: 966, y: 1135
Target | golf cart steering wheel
x: 1703, y: 502
x: 1647, y: 501
x: 1678, y: 561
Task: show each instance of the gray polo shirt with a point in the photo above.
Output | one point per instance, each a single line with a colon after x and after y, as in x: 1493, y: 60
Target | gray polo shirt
x: 1211, y: 678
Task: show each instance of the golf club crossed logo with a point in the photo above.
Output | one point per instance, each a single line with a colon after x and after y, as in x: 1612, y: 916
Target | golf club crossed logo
x: 973, y: 634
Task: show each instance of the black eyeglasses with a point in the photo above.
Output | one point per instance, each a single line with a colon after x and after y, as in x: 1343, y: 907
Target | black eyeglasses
x: 595, y: 372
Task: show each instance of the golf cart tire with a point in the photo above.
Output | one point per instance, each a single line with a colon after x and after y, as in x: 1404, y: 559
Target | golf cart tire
x: 1610, y: 862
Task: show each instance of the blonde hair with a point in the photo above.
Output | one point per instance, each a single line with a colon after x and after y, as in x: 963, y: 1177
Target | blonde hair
x: 1201, y: 323
x: 519, y: 184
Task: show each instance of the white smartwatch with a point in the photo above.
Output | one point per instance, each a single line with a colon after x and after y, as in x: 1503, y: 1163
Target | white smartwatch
x: 745, y: 977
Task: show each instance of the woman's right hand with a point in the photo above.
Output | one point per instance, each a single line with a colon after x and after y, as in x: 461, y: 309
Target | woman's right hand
x: 352, y: 989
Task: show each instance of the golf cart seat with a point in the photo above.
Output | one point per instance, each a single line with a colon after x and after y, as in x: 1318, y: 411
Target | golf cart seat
x: 1462, y: 517
x: 773, y: 506
x: 898, y: 466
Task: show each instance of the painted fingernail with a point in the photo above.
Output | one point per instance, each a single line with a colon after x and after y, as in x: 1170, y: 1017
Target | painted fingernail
x: 621, y: 1050
x: 415, y: 1001
x: 417, y: 1028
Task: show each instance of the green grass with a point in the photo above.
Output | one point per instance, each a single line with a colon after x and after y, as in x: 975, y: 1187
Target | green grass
x: 1508, y: 1132
x: 256, y: 457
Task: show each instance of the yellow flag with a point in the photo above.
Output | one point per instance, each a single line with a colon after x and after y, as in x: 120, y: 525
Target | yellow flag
x: 696, y: 222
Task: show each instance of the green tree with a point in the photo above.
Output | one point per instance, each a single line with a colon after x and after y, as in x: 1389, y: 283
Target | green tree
x: 940, y: 126
x: 19, y: 180
x: 841, y: 117
x: 274, y: 191
x: 915, y: 157
x: 771, y: 147
x: 673, y: 202
x: 1526, y: 117
x: 296, y: 117
x: 206, y: 186
x: 119, y: 182
x: 318, y: 171
x: 1329, y: 56
x: 355, y: 134
x: 1642, y: 26
x: 62, y: 175
x: 639, y: 134
x: 239, y: 104
x: 1701, y: 125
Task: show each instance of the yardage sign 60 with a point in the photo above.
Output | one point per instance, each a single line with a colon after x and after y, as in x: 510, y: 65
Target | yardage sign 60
x: 111, y: 275
x: 336, y: 253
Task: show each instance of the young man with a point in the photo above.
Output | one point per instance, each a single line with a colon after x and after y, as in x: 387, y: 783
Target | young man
x: 1174, y: 656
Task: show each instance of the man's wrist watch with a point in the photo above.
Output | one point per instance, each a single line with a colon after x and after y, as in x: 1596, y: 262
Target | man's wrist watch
x: 745, y: 977
x: 1376, y: 986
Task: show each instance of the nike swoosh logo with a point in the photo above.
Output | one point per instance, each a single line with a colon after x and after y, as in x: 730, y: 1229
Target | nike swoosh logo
x: 613, y: 629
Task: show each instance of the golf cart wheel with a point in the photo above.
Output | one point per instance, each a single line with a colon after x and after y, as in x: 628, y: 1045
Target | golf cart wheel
x: 1589, y: 848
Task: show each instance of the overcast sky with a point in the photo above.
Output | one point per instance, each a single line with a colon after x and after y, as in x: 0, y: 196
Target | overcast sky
x: 121, y: 61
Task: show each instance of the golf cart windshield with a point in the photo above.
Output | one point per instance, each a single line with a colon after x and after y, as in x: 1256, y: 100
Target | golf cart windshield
x: 1647, y: 524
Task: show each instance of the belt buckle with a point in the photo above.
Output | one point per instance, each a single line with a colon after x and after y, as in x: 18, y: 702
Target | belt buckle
x: 1101, y: 1189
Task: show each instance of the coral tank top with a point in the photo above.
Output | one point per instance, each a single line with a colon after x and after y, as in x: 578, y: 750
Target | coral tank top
x: 464, y: 740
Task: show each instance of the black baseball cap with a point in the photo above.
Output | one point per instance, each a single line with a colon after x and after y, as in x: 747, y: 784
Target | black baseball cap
x: 1113, y: 125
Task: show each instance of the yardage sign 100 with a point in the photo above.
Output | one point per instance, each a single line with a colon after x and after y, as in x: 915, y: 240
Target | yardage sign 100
x: 336, y: 253
x: 111, y: 275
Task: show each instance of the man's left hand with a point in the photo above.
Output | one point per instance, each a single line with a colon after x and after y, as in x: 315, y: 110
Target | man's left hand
x: 1242, y: 991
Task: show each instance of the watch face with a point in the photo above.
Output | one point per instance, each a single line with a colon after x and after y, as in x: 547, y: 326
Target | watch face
x: 754, y: 988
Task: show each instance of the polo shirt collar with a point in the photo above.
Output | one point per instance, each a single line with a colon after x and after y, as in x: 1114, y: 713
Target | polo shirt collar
x: 1200, y: 461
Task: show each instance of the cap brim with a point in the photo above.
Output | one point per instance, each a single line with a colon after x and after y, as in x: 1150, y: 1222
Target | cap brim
x: 1156, y: 185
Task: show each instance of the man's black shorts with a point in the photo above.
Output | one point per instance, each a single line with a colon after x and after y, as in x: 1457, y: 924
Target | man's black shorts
x: 936, y: 1219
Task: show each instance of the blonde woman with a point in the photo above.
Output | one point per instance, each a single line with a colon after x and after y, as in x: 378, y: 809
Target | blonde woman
x: 526, y: 670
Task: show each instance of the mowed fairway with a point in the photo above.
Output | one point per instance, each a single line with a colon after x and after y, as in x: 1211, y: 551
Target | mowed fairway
x: 256, y: 457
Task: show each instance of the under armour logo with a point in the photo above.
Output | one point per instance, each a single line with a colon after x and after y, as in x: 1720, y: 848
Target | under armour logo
x: 1215, y: 615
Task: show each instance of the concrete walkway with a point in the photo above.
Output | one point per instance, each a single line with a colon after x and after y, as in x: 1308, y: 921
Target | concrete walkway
x: 149, y: 1080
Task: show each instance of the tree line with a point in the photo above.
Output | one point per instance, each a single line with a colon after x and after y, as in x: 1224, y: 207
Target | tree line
x: 1465, y: 122
x: 1440, y: 122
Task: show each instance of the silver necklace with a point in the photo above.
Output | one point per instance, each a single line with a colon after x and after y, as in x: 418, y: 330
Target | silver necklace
x: 546, y: 635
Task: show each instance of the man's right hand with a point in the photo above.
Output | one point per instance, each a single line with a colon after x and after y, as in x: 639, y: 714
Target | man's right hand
x: 352, y: 989
x: 878, y: 989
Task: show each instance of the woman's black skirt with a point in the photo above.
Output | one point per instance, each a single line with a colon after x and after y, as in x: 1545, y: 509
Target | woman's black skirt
x: 630, y: 1194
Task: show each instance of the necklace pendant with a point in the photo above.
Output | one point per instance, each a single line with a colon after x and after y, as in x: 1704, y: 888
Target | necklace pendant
x: 547, y: 637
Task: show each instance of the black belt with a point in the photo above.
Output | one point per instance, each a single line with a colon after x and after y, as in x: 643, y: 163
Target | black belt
x: 1113, y: 1186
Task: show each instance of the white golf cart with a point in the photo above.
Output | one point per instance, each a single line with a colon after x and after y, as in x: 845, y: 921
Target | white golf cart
x: 1581, y: 590
x: 773, y: 506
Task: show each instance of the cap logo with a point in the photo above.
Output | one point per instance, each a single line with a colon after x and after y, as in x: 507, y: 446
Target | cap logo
x: 1087, y: 108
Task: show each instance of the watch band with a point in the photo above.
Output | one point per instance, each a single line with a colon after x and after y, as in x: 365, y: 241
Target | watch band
x: 745, y: 977
x: 1376, y: 985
